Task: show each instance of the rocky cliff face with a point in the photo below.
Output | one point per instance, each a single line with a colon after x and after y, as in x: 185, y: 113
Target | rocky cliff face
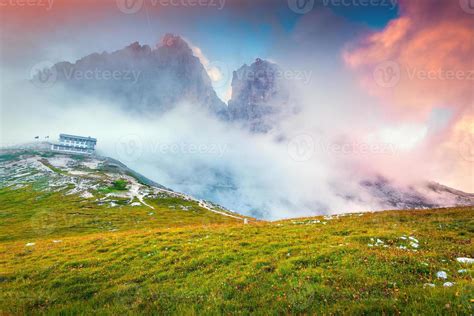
x: 152, y: 81
x: 143, y: 79
x: 260, y: 97
x: 388, y: 195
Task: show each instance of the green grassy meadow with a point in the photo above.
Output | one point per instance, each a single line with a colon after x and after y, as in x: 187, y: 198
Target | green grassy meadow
x: 64, y: 255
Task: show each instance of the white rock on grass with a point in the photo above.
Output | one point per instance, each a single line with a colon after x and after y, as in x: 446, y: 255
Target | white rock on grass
x: 448, y: 284
x: 87, y: 195
x: 441, y: 275
x: 414, y: 244
x: 376, y: 242
x: 93, y: 164
x: 60, y: 162
x: 462, y: 271
x: 428, y: 285
x: 30, y: 244
x: 465, y: 260
x: 413, y: 239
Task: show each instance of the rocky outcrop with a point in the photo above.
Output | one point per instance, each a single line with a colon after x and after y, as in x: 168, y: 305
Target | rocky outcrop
x: 150, y: 81
x: 260, y: 96
x: 144, y: 80
x: 422, y: 195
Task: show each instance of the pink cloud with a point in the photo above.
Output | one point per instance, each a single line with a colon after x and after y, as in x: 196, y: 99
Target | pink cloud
x: 422, y: 61
x: 430, y: 48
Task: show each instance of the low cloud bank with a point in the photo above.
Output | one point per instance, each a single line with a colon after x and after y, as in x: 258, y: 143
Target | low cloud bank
x: 296, y: 170
x: 356, y: 120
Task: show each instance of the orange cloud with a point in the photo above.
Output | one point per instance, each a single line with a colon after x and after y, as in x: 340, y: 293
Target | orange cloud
x: 421, y: 60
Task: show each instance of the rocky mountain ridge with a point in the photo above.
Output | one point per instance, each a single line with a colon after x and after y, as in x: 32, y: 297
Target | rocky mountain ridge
x: 142, y: 79
x: 422, y: 196
x: 98, y: 178
x: 260, y: 96
x: 106, y: 181
x: 151, y: 81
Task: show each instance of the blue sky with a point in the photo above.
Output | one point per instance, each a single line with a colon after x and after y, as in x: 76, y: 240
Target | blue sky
x: 239, y: 33
x: 236, y: 36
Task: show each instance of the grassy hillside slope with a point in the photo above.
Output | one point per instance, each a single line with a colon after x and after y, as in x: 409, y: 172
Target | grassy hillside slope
x: 29, y: 214
x: 48, y: 194
x: 87, y: 236
x: 174, y: 263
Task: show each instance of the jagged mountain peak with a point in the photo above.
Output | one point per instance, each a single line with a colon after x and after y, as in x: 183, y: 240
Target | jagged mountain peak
x: 261, y: 76
x: 136, y: 48
x: 155, y: 80
x: 169, y: 42
x: 144, y: 80
x: 260, y: 96
x: 174, y: 41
